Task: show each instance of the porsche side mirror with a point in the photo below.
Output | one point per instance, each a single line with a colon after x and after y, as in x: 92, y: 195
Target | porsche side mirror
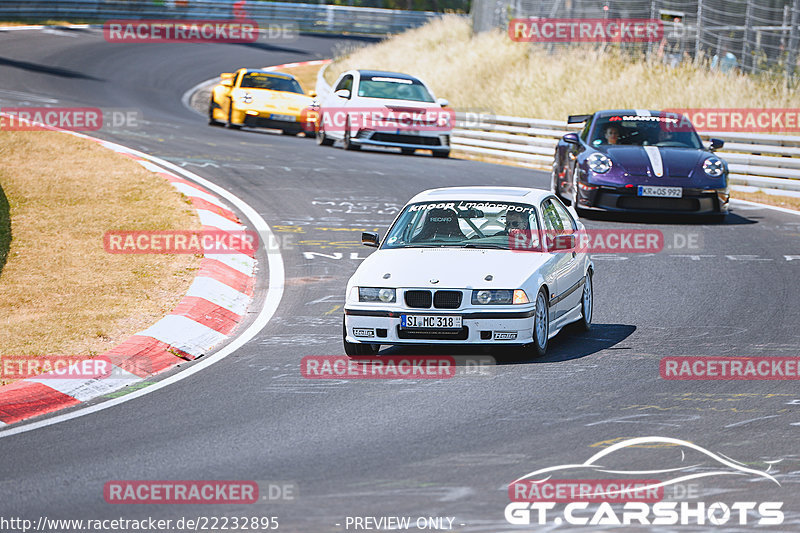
x: 226, y: 75
x: 571, y: 138
x: 370, y: 238
x: 442, y: 102
x: 716, y: 144
x: 343, y: 93
x: 227, y: 83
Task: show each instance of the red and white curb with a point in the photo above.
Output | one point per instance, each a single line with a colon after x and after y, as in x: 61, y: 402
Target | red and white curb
x: 214, y: 305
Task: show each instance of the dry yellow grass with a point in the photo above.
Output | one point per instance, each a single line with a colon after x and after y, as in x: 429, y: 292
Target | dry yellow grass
x: 491, y: 72
x: 60, y: 292
x: 46, y: 23
x: 789, y: 202
x: 305, y: 74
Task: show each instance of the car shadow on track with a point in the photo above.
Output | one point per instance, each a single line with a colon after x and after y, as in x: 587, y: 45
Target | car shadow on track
x: 571, y: 343
x: 668, y: 219
x: 45, y: 69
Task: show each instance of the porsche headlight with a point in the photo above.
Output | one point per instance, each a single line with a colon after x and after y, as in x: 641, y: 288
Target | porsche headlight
x: 714, y: 167
x: 499, y: 297
x: 599, y: 163
x: 377, y: 294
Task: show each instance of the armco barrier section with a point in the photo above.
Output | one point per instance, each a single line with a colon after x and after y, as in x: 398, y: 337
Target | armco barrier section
x: 304, y: 17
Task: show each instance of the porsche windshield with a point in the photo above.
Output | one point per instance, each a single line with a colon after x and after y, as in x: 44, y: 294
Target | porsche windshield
x: 257, y: 80
x: 393, y: 88
x: 643, y: 130
x: 461, y: 224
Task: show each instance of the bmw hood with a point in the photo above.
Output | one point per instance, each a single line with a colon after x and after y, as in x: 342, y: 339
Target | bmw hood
x: 454, y: 268
x: 654, y: 163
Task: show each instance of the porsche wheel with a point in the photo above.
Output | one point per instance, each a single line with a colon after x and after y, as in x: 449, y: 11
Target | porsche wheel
x: 541, y: 324
x: 322, y: 139
x: 211, y: 120
x: 229, y: 123
x: 574, y: 195
x: 356, y: 348
x: 587, y: 302
x: 348, y: 143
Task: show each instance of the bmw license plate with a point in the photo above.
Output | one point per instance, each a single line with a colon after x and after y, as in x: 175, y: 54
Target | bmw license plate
x: 662, y: 192
x: 287, y: 118
x: 430, y: 321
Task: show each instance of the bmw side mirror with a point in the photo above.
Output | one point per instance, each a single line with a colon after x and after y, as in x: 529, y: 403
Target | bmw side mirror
x: 343, y: 93
x: 370, y: 238
x: 442, y: 102
x: 716, y: 144
x: 571, y: 138
x: 563, y: 242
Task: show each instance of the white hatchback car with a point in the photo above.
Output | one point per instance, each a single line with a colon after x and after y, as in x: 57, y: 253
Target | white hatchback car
x: 471, y: 265
x: 375, y: 108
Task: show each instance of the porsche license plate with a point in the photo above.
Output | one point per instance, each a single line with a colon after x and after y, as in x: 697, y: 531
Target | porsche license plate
x: 286, y: 118
x: 430, y: 321
x: 662, y: 192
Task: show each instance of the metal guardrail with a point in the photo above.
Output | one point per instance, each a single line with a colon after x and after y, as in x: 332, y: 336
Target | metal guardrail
x: 304, y: 17
x: 767, y: 161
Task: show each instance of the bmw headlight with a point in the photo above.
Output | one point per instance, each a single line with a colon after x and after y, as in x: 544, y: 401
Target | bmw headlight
x: 714, y: 167
x: 599, y: 163
x: 499, y: 297
x: 377, y: 294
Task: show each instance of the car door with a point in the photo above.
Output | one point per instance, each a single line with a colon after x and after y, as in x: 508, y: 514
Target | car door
x: 568, y: 273
x: 338, y: 104
x: 573, y: 153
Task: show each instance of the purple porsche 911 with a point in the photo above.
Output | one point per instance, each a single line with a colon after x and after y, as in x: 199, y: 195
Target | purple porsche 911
x: 640, y: 161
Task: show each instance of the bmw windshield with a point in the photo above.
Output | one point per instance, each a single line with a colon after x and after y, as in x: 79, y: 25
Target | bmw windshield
x: 460, y: 224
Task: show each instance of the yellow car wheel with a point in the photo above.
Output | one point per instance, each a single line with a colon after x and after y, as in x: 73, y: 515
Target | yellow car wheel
x: 230, y: 123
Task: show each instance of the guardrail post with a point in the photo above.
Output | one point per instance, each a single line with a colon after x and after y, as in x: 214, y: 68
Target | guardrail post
x: 791, y: 60
x: 699, y: 33
x: 747, y: 56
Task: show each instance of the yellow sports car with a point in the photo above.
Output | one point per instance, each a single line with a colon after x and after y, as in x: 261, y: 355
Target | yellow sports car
x: 258, y: 98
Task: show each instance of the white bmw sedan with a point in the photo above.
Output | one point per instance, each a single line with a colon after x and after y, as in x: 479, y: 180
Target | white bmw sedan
x: 390, y: 109
x: 471, y: 265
